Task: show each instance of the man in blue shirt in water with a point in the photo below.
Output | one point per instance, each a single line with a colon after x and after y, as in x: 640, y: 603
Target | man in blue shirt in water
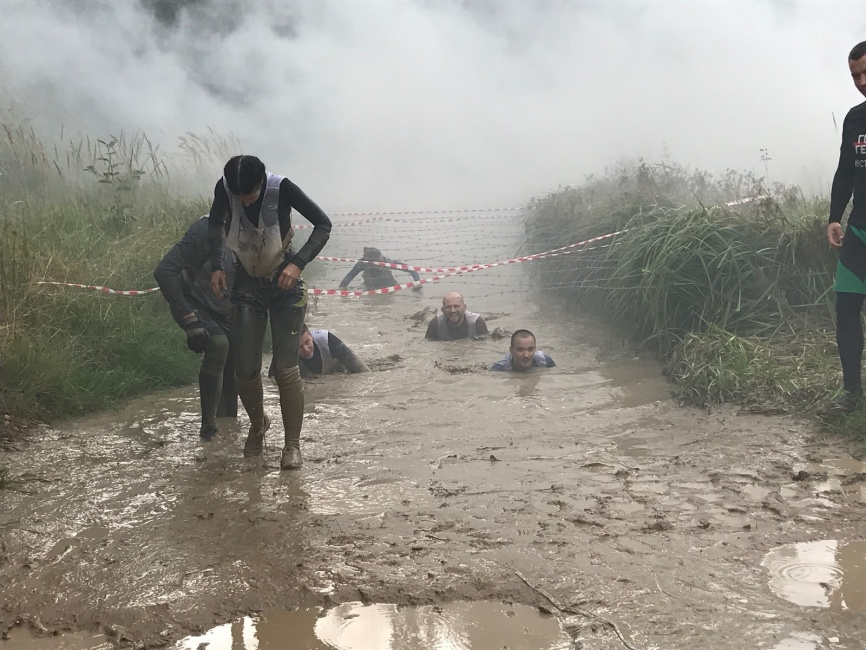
x: 523, y: 355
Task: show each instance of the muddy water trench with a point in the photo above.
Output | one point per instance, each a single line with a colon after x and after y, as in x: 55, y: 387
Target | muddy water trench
x: 439, y: 502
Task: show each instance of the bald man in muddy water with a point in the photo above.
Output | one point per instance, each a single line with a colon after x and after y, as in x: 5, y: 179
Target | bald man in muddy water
x: 850, y: 283
x: 454, y: 321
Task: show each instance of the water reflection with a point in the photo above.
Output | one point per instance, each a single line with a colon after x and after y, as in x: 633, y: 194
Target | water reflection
x: 820, y: 574
x: 354, y: 626
x: 803, y: 641
x: 353, y: 494
x: 810, y: 641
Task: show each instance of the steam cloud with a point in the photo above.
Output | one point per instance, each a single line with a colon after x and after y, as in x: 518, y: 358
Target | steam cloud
x: 447, y: 103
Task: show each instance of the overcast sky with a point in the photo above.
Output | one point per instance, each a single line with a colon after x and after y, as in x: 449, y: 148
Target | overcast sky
x: 422, y: 104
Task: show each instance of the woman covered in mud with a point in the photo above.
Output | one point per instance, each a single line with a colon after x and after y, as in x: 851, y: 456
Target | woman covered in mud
x: 251, y: 214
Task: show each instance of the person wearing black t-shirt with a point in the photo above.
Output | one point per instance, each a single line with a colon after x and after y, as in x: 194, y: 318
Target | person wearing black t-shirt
x: 849, y: 183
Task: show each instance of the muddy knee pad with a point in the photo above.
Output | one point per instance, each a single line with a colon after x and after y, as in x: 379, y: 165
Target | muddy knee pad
x: 215, y: 355
x: 287, y: 323
x: 291, y: 388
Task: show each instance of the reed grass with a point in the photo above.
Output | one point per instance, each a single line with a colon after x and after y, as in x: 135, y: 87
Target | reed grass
x: 781, y: 373
x: 93, y: 211
x: 736, y: 299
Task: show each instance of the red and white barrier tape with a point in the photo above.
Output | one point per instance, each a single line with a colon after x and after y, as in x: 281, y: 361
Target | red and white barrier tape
x: 470, y: 267
x: 565, y: 250
x: 106, y: 290
x: 448, y: 272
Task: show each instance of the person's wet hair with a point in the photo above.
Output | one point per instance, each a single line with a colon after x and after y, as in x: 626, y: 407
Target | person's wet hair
x: 371, y: 253
x: 858, y: 52
x: 520, y: 334
x: 244, y: 174
x: 305, y: 329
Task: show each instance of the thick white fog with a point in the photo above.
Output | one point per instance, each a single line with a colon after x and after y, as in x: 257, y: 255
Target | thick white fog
x: 427, y: 104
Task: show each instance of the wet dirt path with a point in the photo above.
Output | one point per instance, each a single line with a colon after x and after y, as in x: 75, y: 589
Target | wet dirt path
x: 432, y: 481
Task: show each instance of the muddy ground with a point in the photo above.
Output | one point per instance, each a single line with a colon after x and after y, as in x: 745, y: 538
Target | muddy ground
x: 632, y: 509
x: 432, y: 481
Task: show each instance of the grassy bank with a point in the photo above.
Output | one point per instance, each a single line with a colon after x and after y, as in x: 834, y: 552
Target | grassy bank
x: 92, y: 212
x: 736, y: 299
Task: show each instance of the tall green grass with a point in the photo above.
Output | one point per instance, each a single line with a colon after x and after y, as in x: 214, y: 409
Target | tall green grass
x: 94, y: 212
x: 736, y: 299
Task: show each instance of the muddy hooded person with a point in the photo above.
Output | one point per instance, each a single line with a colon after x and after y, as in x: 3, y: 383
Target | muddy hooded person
x: 850, y: 282
x: 251, y: 213
x: 183, y: 276
x: 375, y: 276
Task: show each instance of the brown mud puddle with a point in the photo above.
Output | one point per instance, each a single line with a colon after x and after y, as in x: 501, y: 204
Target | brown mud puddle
x: 823, y: 573
x: 581, y: 489
x: 356, y: 626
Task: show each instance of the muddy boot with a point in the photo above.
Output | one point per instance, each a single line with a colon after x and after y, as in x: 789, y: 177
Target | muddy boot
x: 252, y: 398
x: 207, y: 432
x: 291, y: 458
x: 292, y: 406
x: 209, y: 387
x: 255, y: 441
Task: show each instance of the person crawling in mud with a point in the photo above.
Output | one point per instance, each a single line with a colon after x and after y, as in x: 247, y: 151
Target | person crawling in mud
x: 321, y: 352
x: 850, y: 281
x: 455, y: 322
x: 523, y: 355
x: 373, y: 276
x: 183, y: 276
x: 251, y: 214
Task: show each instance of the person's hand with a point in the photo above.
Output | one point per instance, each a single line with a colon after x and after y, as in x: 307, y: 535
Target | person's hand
x: 289, y: 277
x: 834, y: 234
x: 218, y: 283
x: 196, y: 334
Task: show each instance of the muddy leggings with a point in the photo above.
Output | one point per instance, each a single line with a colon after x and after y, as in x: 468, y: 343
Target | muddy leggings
x: 249, y: 336
x: 255, y: 301
x: 849, y: 338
